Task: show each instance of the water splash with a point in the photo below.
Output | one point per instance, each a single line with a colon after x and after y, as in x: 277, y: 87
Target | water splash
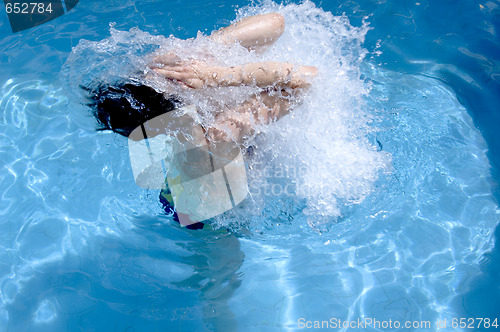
x: 323, y: 143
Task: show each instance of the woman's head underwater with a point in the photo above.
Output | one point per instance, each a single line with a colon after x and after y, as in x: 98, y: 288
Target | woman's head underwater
x: 124, y: 106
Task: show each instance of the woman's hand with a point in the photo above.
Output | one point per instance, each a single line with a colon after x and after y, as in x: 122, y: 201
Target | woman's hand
x: 193, y: 74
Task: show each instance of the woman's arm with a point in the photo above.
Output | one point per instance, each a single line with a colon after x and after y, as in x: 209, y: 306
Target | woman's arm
x: 199, y: 74
x: 240, y: 121
x: 253, y: 31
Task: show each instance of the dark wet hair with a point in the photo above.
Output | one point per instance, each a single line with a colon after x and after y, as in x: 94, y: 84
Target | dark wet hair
x: 124, y: 106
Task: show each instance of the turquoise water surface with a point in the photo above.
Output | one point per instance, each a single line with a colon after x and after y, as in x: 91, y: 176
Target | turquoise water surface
x: 377, y: 198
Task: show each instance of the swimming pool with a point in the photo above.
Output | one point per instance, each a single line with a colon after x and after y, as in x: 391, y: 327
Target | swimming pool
x: 392, y: 164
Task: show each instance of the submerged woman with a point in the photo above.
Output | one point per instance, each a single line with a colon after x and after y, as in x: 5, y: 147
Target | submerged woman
x: 125, y: 107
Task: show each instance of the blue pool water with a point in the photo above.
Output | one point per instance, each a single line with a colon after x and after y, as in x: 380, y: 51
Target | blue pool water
x: 392, y: 160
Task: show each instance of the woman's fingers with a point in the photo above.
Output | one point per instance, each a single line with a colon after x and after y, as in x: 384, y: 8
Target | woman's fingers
x: 195, y: 74
x: 170, y: 73
x: 169, y: 58
x: 184, y: 79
